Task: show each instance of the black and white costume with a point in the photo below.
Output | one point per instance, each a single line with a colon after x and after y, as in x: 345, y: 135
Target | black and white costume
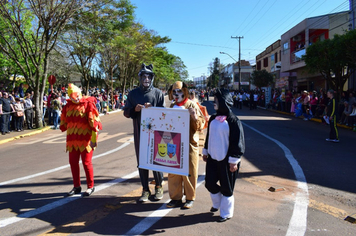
x: 224, y: 145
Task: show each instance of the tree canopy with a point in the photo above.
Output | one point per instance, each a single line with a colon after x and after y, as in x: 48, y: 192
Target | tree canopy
x: 333, y: 58
x: 261, y: 78
x: 37, y: 37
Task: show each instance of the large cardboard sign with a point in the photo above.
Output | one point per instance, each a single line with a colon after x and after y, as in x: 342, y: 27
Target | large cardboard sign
x: 164, y: 140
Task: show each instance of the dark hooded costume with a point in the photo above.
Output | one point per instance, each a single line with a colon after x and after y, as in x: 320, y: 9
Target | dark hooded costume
x: 224, y: 146
x: 142, y: 95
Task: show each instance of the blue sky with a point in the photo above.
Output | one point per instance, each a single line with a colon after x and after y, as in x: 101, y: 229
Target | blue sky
x: 200, y: 30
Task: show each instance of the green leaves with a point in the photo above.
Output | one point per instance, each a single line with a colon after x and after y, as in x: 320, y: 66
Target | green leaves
x: 261, y: 78
x: 333, y: 59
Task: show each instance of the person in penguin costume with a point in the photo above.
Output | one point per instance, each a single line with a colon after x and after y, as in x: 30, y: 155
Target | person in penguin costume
x: 222, y: 152
x: 178, y: 184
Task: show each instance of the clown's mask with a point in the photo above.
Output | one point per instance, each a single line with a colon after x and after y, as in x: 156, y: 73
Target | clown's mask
x: 74, y: 93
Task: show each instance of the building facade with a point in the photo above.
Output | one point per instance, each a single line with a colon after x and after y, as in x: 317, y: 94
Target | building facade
x: 295, y: 42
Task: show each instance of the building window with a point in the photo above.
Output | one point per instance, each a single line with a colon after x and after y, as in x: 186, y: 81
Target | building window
x: 276, y: 57
x: 265, y: 62
x: 285, y: 48
x: 259, y: 65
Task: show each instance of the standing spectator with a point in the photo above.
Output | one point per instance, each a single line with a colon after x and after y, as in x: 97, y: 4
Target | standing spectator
x: 45, y: 97
x: 5, y: 109
x: 57, y: 108
x: 21, y: 92
x: 289, y: 98
x: 28, y: 105
x: 251, y: 99
x: 352, y: 100
x: 49, y: 107
x: 306, y: 100
x: 144, y: 96
x: 19, y: 113
x: 352, y: 116
x: 313, y: 103
x: 222, y: 152
x: 255, y: 100
x: 239, y: 100
x: 331, y: 117
x: 345, y: 114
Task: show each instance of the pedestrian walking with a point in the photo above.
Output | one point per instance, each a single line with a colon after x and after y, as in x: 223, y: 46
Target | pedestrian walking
x: 331, y: 117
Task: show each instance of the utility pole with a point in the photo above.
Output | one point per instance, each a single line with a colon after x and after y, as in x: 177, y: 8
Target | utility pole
x: 239, y: 38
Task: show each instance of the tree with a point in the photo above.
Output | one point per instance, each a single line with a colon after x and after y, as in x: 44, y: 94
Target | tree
x: 333, y: 58
x: 261, y: 78
x: 35, y: 26
x: 215, y: 69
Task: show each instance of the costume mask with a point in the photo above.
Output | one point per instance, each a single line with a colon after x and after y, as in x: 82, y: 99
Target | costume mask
x: 146, y: 80
x: 74, y: 93
x: 179, y: 91
x: 146, y: 76
x: 178, y: 95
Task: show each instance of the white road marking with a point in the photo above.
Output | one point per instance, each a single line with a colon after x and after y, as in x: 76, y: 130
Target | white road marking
x: 61, y: 167
x: 156, y: 215
x: 298, y: 221
x: 53, y: 205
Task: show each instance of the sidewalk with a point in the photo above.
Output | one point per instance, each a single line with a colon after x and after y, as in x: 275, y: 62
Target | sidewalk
x: 26, y: 132
x: 318, y: 120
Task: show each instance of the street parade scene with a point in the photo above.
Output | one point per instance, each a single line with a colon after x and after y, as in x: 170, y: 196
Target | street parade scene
x: 115, y: 119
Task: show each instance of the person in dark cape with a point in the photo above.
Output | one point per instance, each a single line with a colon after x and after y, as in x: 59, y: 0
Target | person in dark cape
x: 223, y: 149
x: 144, y: 95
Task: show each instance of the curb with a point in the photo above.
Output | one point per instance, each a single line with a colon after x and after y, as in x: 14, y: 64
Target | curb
x: 25, y: 135
x: 312, y: 119
x: 42, y: 130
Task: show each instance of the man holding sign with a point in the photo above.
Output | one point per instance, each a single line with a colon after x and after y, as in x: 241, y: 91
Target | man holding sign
x: 144, y: 96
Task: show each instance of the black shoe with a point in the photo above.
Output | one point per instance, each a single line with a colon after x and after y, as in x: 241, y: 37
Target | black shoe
x: 75, y: 190
x: 212, y: 209
x: 174, y: 203
x: 188, y: 204
x: 222, y: 219
x: 3, y: 133
x: 89, y: 192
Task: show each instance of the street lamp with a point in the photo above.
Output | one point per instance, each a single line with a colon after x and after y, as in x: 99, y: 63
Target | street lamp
x: 239, y: 68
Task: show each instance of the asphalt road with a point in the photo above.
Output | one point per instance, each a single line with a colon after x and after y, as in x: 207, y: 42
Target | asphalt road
x: 316, y: 179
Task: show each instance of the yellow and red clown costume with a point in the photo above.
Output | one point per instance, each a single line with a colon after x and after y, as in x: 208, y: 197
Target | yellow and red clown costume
x: 80, y: 119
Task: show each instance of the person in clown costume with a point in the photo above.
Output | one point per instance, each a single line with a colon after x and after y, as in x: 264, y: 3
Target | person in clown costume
x: 177, y: 183
x: 80, y: 119
x: 223, y: 149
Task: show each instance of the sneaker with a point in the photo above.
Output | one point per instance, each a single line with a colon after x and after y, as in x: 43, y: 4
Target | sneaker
x: 329, y: 140
x: 144, y: 197
x: 75, y: 190
x: 188, y: 204
x: 174, y: 203
x: 213, y: 209
x: 335, y: 140
x: 223, y: 219
x: 158, y: 193
x: 89, y: 192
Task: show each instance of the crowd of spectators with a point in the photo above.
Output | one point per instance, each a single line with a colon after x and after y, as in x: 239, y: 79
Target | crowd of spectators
x: 17, y: 106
